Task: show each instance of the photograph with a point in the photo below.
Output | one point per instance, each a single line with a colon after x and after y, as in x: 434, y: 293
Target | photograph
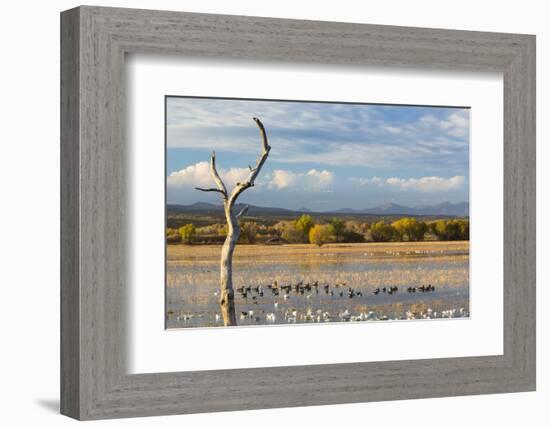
x: 297, y: 212
x: 269, y: 212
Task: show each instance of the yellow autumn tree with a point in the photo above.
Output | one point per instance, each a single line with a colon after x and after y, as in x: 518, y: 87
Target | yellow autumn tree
x: 319, y: 234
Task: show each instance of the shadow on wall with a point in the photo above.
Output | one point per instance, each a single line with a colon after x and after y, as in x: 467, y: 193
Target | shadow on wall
x: 51, y: 405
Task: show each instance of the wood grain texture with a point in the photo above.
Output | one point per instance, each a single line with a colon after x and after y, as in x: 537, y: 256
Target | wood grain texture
x: 94, y: 382
x: 70, y: 221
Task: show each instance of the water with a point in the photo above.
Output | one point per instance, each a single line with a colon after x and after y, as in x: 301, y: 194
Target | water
x: 193, y: 281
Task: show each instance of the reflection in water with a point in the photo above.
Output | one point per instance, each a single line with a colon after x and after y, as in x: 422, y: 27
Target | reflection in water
x: 339, y: 283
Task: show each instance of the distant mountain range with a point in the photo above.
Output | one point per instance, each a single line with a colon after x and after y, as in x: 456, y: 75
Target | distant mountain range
x: 445, y: 208
x: 460, y: 209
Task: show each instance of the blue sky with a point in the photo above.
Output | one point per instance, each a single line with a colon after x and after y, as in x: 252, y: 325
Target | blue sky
x: 324, y: 156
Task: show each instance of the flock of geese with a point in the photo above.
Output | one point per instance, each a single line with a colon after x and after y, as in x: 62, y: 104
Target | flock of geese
x: 308, y: 290
x: 293, y: 315
x: 314, y: 288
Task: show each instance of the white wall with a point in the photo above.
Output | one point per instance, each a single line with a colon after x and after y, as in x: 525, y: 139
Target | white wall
x: 29, y: 168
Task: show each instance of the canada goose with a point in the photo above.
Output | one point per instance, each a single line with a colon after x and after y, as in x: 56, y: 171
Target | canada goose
x: 376, y: 291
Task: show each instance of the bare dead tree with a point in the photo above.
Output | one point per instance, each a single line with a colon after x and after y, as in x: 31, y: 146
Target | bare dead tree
x: 227, y: 295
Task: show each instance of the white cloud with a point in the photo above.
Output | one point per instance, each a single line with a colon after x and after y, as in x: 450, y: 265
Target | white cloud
x: 428, y: 184
x: 282, y: 178
x: 312, y: 180
x: 392, y: 129
x: 456, y: 124
x: 198, y: 175
x: 429, y: 119
x: 460, y: 119
x: 367, y: 181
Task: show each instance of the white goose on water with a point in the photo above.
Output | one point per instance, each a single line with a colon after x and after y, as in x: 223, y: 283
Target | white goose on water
x: 345, y: 315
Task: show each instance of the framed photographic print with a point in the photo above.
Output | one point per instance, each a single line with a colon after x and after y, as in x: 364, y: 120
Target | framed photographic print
x: 305, y: 251
x: 296, y: 212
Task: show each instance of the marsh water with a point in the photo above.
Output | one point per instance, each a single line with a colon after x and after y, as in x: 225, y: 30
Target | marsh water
x: 333, y: 283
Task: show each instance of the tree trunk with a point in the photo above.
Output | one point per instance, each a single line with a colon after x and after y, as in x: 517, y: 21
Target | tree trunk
x: 227, y: 294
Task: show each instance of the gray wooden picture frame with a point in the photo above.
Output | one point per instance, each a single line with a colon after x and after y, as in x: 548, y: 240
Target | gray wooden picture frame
x: 94, y: 41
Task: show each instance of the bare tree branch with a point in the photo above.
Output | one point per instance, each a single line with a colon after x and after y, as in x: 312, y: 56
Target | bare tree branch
x: 249, y: 182
x: 266, y: 146
x: 216, y: 176
x: 243, y: 211
x: 210, y: 189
